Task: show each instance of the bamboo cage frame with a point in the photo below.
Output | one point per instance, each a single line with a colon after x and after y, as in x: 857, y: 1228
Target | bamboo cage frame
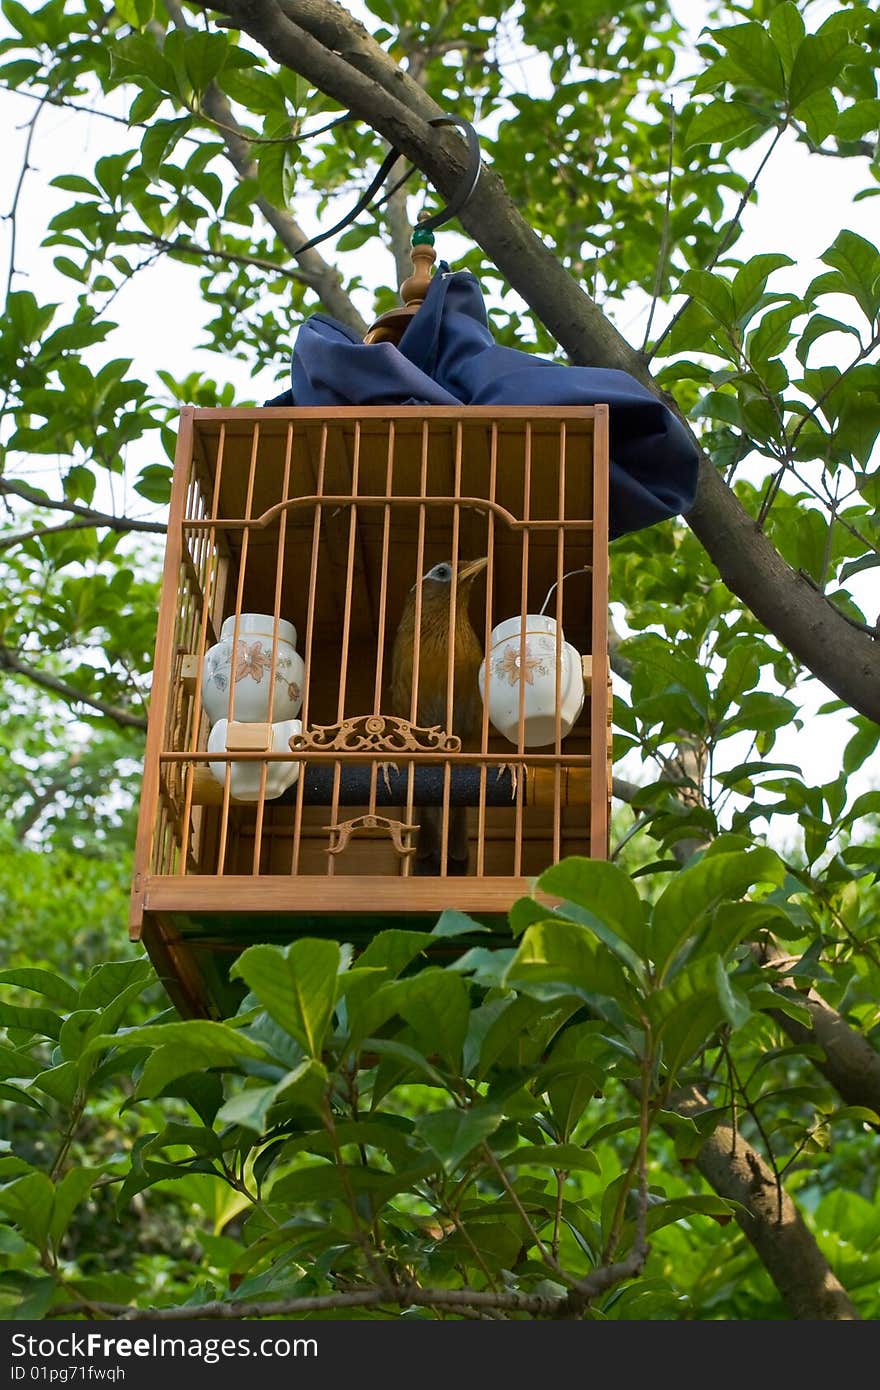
x: 329, y: 518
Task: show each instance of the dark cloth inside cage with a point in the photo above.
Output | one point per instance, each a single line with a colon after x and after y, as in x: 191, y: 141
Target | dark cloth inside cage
x: 447, y: 356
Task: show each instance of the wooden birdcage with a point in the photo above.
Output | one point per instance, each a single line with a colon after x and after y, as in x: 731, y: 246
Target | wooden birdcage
x: 328, y: 519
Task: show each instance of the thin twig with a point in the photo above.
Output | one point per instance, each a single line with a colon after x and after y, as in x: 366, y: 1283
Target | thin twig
x: 10, y: 662
x: 664, y: 237
x: 182, y: 247
x: 11, y: 215
x: 725, y: 240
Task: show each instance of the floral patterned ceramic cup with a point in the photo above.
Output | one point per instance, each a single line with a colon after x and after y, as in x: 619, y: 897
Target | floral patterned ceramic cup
x: 249, y: 667
x: 513, y: 668
x: 244, y: 779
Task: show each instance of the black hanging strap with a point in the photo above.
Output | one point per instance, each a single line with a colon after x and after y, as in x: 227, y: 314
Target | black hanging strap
x: 456, y: 204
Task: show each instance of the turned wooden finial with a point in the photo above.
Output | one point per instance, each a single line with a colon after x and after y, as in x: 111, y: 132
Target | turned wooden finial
x: 415, y: 287
x: 390, y: 327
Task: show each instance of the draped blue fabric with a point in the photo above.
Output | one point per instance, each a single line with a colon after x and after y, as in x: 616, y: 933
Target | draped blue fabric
x: 447, y: 356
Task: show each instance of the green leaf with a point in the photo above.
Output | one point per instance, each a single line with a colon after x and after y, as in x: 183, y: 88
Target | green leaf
x: 159, y: 141
x: 204, y: 56
x: 564, y: 957
x: 137, y: 13
x: 862, y: 118
x: 108, y: 980
x: 714, y: 293
x: 816, y: 65
x: 604, y: 890
x: 679, y: 1208
x: 861, y: 745
x: 409, y: 1056
x: 724, y: 121
x: 334, y: 1182
x: 28, y: 1201
x: 818, y: 326
x: 43, y: 982
x: 787, y: 31
x: 42, y: 1022
x: 305, y: 1085
x: 186, y: 1047
x: 435, y: 1004
x: 453, y: 1134
x: 751, y: 49
x: 59, y: 1082
x: 747, y: 286
x: 296, y: 986
x: 255, y: 89
x: 762, y: 711
x: 508, y: 1025
x: 773, y: 334
x: 697, y: 891
x: 567, y: 1157
x: 687, y: 1013
x: 453, y: 923
x: 859, y: 264
x: 69, y: 1193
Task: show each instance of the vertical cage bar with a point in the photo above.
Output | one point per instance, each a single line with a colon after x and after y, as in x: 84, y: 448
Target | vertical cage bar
x: 273, y: 671
x: 383, y: 600
x: 557, y: 733
x: 599, y: 641
x: 487, y: 669
x: 212, y: 571
x: 524, y: 604
x: 239, y: 594
x: 450, y: 647
x: 346, y: 628
x: 406, y: 867
x: 161, y: 668
x: 309, y: 642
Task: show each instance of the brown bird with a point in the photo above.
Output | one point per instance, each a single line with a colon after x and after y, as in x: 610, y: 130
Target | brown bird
x: 431, y: 699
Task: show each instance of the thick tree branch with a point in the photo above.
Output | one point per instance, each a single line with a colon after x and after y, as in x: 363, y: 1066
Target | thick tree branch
x: 10, y: 662
x: 405, y: 1296
x: 770, y: 1221
x: 322, y: 278
x: 850, y: 1063
x: 321, y: 41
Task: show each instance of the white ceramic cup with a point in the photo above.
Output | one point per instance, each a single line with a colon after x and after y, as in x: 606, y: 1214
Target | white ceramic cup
x: 244, y: 780
x: 249, y: 667
x: 512, y: 668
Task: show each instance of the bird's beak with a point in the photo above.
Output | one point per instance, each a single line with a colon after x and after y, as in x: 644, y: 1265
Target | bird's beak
x: 472, y: 568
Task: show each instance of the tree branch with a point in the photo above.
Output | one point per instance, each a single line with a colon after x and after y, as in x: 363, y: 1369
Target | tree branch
x: 408, y: 1296
x: 850, y: 1063
x: 180, y: 247
x: 322, y: 278
x: 769, y: 1220
x: 12, y: 214
x: 10, y: 662
x: 39, y: 499
x: 323, y: 43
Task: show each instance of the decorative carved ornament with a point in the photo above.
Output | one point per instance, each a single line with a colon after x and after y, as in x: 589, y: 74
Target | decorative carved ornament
x: 401, y: 833
x: 375, y: 733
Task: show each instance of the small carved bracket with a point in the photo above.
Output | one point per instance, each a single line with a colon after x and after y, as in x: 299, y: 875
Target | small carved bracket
x: 401, y: 833
x: 375, y: 733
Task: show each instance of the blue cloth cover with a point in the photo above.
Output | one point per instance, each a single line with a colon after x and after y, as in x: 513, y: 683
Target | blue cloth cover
x: 447, y: 356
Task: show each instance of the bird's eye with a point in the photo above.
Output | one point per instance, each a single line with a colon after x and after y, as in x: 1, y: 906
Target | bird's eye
x: 442, y: 572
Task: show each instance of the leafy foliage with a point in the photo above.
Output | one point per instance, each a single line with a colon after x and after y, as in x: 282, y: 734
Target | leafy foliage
x: 511, y: 1120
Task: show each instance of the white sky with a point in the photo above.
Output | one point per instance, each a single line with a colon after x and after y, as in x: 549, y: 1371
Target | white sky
x: 803, y: 202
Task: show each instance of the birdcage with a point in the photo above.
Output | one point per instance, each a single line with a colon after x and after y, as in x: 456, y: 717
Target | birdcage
x: 286, y: 783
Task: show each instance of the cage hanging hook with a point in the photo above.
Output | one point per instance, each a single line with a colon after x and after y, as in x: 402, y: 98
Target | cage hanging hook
x: 456, y: 204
